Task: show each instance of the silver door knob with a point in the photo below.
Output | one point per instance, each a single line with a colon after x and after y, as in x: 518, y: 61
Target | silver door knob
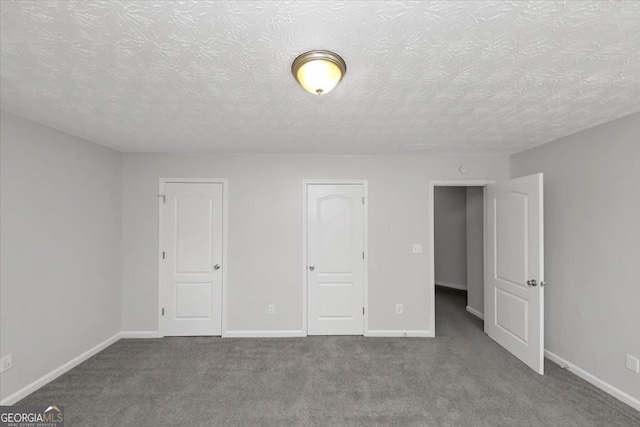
x: 216, y: 267
x: 311, y: 268
x: 532, y: 282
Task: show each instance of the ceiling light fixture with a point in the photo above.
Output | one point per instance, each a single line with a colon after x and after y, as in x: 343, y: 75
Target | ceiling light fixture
x: 319, y: 71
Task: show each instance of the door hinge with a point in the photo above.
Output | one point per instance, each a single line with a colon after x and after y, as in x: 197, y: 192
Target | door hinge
x: 163, y: 311
x: 362, y: 255
x: 162, y: 254
x: 363, y: 200
x: 363, y: 311
x: 163, y: 198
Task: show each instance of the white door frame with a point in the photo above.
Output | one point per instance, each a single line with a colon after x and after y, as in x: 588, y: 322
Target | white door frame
x: 432, y: 277
x: 225, y: 263
x: 305, y: 184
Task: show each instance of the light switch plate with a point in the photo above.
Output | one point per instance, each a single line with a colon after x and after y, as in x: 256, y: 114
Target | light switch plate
x: 417, y: 248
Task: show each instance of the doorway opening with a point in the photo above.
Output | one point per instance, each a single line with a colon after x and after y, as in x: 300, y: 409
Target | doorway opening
x: 452, y: 273
x: 458, y: 254
x: 513, y: 260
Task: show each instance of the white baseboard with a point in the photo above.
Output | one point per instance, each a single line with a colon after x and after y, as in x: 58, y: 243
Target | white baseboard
x: 140, y: 334
x: 46, y: 379
x: 602, y: 385
x: 287, y: 334
x: 263, y: 334
x: 451, y: 285
x: 412, y: 333
x: 475, y: 312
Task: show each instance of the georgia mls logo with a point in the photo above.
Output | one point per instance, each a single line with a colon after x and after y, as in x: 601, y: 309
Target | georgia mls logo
x: 53, y: 408
x: 32, y: 416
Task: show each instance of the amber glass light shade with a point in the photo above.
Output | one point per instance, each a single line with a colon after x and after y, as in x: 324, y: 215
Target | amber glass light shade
x: 319, y: 71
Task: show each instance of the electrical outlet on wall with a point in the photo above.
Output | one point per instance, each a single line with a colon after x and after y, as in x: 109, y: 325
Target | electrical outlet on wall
x: 5, y: 363
x: 633, y: 364
x: 272, y: 309
x: 399, y: 309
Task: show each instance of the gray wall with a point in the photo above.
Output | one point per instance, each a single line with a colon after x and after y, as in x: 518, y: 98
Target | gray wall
x: 265, y: 231
x: 60, y: 227
x: 450, y: 236
x: 592, y: 235
x: 475, y: 248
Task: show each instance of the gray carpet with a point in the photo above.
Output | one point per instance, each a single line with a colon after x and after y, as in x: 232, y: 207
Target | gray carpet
x: 460, y: 378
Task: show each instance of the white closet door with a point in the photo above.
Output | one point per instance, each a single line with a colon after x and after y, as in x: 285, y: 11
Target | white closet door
x: 335, y: 259
x: 191, y: 271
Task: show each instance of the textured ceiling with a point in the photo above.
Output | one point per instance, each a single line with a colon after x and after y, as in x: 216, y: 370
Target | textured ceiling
x: 436, y: 77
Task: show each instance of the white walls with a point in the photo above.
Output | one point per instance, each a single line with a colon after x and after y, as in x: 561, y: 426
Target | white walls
x: 450, y: 236
x: 63, y: 203
x: 475, y: 248
x: 592, y: 249
x: 60, y: 226
x: 265, y: 232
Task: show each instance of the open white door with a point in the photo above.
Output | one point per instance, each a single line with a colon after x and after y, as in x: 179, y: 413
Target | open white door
x: 514, y: 268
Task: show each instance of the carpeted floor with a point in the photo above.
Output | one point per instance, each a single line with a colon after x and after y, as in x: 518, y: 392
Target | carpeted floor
x: 460, y: 378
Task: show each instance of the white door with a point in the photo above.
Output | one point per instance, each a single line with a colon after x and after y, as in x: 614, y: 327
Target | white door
x: 514, y: 270
x: 191, y: 264
x: 335, y: 259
